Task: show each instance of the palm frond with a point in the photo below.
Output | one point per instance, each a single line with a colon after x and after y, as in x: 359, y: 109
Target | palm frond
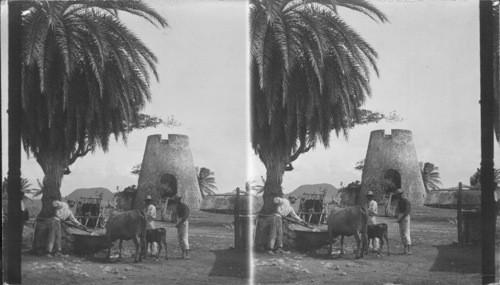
x: 206, y: 181
x: 310, y: 71
x: 84, y: 73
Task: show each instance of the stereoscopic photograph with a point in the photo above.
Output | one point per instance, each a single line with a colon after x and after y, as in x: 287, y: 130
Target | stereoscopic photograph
x: 250, y: 142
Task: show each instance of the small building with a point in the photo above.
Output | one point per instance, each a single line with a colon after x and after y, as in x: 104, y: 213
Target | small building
x: 467, y: 202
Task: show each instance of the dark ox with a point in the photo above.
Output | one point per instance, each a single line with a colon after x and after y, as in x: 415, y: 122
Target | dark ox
x: 130, y: 225
x: 348, y: 221
x: 379, y: 231
x: 158, y: 235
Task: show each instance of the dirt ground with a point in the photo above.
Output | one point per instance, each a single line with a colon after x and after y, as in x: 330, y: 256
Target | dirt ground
x: 436, y: 259
x: 212, y: 260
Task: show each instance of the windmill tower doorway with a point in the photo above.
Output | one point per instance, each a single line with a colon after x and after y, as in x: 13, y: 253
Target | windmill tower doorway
x: 392, y: 182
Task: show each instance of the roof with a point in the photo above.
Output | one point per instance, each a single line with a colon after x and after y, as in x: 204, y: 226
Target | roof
x: 448, y: 198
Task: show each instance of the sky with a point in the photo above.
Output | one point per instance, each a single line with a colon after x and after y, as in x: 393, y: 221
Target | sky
x: 429, y: 75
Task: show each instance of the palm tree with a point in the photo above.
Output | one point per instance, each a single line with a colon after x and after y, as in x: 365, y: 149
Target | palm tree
x: 430, y: 176
x: 25, y: 187
x: 85, y: 77
x: 206, y: 181
x: 310, y: 74
x: 475, y: 179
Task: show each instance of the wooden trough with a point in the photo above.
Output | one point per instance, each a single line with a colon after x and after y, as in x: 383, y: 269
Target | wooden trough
x: 84, y: 243
x: 307, y: 239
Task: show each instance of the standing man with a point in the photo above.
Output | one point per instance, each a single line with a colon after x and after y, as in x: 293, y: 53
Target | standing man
x: 63, y: 213
x: 404, y: 209
x: 182, y: 227
x: 372, y: 216
x: 150, y: 217
x: 283, y: 209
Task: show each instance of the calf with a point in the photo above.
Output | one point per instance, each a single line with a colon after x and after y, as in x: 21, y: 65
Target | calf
x: 159, y: 236
x: 130, y: 225
x: 378, y: 231
x: 347, y: 222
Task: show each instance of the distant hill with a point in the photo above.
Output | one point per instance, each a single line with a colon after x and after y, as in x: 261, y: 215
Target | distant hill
x: 107, y: 196
x: 331, y: 192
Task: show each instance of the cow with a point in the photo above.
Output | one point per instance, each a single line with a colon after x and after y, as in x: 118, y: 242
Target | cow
x: 130, y: 225
x: 378, y: 231
x: 158, y: 235
x: 348, y: 221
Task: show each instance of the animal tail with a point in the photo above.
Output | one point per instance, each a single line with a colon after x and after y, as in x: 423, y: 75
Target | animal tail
x: 145, y: 221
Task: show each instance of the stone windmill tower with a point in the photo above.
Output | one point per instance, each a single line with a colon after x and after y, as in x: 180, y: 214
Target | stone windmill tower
x: 391, y: 163
x: 168, y: 170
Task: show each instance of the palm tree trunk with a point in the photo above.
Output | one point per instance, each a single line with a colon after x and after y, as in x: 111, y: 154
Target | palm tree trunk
x: 275, y: 162
x: 274, y: 159
x: 52, y: 163
x: 201, y: 191
x: 426, y: 188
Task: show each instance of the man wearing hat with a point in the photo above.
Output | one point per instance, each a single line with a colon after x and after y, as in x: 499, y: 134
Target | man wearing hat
x: 182, y: 226
x: 150, y: 216
x: 404, y: 209
x: 283, y: 209
x: 372, y: 215
x: 62, y: 213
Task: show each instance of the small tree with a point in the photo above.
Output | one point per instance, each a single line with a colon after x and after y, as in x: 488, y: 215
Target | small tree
x: 125, y: 198
x: 348, y: 195
x: 360, y: 165
x: 430, y: 176
x: 206, y: 181
x: 136, y: 169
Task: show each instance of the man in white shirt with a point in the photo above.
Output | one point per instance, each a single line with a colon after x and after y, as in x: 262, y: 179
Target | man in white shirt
x: 151, y: 216
x: 372, y: 216
x: 63, y: 213
x: 283, y: 209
